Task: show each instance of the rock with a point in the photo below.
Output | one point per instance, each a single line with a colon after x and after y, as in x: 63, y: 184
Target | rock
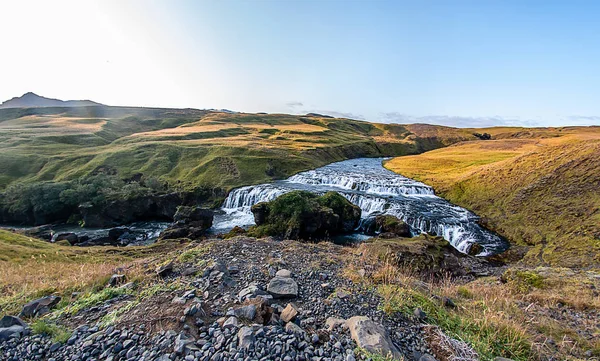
x: 281, y: 287
x: 191, y: 222
x: 183, y: 342
x: 116, y: 280
x: 8, y: 321
x: 14, y: 331
x: 40, y: 306
x: 448, y: 302
x: 165, y: 269
x: 294, y: 329
x: 427, y: 357
x: 247, y: 312
x: 252, y: 291
x: 283, y: 273
x: 474, y: 249
x: 231, y: 322
x: 333, y: 322
x: 123, y: 211
x: 305, y: 215
x: 116, y: 233
x: 392, y: 226
x: 245, y: 337
x: 420, y: 314
x: 372, y: 337
x: 289, y: 313
x: 194, y: 215
x: 69, y: 237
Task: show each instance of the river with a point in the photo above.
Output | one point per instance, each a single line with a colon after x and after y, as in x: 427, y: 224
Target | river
x: 376, y: 190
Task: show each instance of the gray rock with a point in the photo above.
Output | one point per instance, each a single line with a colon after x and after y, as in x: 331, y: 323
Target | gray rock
x: 40, y: 306
x: 116, y: 280
x: 14, y: 331
x: 294, y: 329
x: 165, y: 269
x: 8, y: 321
x: 372, y: 337
x: 283, y: 273
x: 247, y: 312
x: 231, y: 322
x: 427, y: 357
x: 281, y: 287
x: 245, y: 337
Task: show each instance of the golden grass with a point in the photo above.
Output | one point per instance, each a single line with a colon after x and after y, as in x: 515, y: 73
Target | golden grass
x: 552, y: 319
x: 32, y: 268
x: 540, y: 192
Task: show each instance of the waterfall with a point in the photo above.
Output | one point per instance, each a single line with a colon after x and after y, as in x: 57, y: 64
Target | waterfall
x: 376, y: 190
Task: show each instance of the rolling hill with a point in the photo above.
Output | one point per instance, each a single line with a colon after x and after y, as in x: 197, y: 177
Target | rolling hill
x: 538, y: 187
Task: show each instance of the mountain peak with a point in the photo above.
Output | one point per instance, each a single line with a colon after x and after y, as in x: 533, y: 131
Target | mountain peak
x: 32, y: 100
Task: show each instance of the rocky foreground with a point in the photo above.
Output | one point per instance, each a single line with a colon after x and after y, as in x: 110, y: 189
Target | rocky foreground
x: 242, y: 299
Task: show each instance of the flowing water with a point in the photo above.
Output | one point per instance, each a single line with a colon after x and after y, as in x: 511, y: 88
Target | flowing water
x: 376, y: 190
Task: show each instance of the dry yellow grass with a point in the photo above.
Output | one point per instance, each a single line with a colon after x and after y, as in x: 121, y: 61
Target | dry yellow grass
x: 537, y: 187
x: 543, y: 314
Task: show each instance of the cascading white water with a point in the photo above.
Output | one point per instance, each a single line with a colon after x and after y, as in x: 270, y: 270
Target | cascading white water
x: 375, y: 190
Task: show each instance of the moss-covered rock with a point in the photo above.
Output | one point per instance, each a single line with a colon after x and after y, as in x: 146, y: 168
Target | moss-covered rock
x: 305, y: 215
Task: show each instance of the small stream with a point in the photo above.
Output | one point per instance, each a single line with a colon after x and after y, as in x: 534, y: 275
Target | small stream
x: 376, y: 190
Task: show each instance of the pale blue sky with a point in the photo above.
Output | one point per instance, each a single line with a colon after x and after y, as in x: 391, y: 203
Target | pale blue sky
x: 448, y: 62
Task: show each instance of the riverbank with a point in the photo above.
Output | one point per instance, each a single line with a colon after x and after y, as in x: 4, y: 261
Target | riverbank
x: 199, y: 299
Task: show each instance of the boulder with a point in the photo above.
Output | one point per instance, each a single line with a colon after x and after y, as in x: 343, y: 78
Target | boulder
x: 283, y: 273
x: 8, y: 321
x: 191, y: 222
x: 69, y: 237
x: 388, y: 224
x: 372, y: 337
x: 333, y: 322
x: 40, y: 306
x: 305, y: 215
x: 194, y: 216
x: 283, y: 287
x: 164, y: 270
x: 245, y: 337
x: 116, y: 280
x: 14, y: 331
x: 247, y: 312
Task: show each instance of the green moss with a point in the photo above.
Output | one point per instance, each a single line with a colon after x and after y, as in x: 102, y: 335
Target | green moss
x: 523, y: 280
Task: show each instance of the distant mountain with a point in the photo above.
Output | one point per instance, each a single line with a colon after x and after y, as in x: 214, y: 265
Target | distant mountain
x: 32, y: 100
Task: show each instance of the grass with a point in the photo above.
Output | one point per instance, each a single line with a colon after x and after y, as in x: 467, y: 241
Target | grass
x: 537, y: 187
x: 524, y: 317
x: 56, y: 332
x: 31, y: 268
x: 189, y: 147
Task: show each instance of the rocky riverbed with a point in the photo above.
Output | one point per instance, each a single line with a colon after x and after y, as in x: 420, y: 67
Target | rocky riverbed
x: 242, y: 299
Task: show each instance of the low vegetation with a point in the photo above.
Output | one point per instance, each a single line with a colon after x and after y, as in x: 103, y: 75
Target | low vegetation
x: 31, y: 268
x: 534, y: 314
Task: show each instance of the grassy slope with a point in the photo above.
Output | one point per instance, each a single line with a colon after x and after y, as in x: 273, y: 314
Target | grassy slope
x: 537, y: 187
x: 193, y: 147
x: 32, y: 268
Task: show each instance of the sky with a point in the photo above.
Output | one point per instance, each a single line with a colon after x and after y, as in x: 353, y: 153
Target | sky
x: 457, y: 63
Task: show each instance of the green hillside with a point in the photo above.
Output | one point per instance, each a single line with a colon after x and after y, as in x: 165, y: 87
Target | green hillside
x: 191, y: 147
x: 537, y: 187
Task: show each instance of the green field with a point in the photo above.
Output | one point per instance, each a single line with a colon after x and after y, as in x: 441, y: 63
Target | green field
x: 192, y: 148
